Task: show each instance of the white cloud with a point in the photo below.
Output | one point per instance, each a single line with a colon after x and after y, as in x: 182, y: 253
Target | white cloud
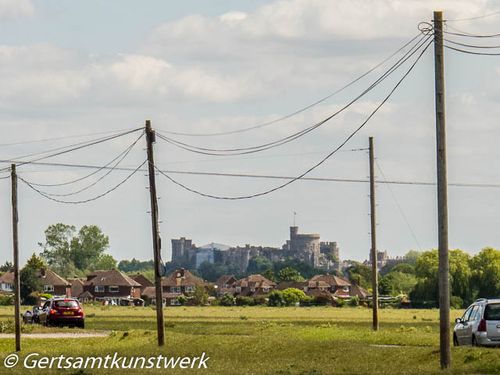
x: 16, y: 8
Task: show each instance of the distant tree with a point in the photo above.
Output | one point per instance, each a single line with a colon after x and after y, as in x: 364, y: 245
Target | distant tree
x: 69, y: 252
x: 269, y: 274
x: 105, y: 262
x: 200, y: 296
x: 29, y: 279
x: 88, y: 246
x: 135, y: 265
x: 412, y: 256
x: 6, y: 267
x: 404, y: 268
x: 305, y: 269
x: 289, y: 274
x: 361, y: 274
x: 259, y: 264
x: 486, y: 273
x: 395, y: 283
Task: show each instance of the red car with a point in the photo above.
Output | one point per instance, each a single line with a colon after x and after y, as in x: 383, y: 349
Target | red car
x: 62, y: 311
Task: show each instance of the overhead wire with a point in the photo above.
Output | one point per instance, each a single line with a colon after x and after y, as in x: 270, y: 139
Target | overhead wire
x: 255, y: 195
x: 274, y: 177
x: 474, y: 18
x: 119, y: 157
x: 290, y: 115
x: 400, y: 209
x: 67, y: 149
x: 60, y: 138
x: 94, y: 183
x: 45, y: 195
x: 471, y: 52
x: 292, y: 137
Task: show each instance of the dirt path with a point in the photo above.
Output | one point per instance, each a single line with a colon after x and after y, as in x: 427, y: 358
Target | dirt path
x: 56, y: 335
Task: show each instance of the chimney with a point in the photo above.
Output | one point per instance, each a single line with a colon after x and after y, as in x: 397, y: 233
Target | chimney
x: 42, y: 272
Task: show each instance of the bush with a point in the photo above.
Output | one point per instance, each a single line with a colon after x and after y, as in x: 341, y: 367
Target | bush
x: 340, y: 302
x: 276, y: 298
x: 6, y: 300
x: 261, y: 300
x: 354, y: 301
x: 244, y: 301
x: 307, y: 301
x: 293, y: 296
x: 182, y: 299
x: 456, y: 302
x: 322, y: 300
x: 227, y: 300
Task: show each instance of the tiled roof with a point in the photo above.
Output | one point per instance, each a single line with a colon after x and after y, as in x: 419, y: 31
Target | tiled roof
x: 141, y: 279
x: 182, y: 277
x: 7, y: 277
x: 257, y: 280
x: 223, y: 280
x: 49, y: 277
x: 110, y: 277
x: 331, y: 280
x: 150, y: 292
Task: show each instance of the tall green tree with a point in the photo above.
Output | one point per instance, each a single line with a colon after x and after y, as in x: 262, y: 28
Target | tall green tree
x: 486, y: 273
x: 69, y: 252
x: 289, y: 274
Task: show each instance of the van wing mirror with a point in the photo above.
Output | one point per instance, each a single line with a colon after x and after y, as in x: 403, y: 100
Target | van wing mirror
x: 458, y: 320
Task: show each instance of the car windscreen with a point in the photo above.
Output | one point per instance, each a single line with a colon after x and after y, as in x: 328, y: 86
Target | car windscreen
x: 66, y: 304
x: 492, y: 311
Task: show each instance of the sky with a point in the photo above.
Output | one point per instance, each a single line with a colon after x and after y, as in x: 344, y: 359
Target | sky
x: 71, y: 70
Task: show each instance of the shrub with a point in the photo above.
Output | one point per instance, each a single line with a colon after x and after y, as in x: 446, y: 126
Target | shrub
x: 322, y: 300
x: 340, y: 302
x: 456, y: 302
x: 6, y: 300
x: 244, y: 301
x: 354, y: 301
x: 276, y: 298
x: 182, y: 299
x: 227, y: 300
x: 293, y: 296
x: 261, y: 300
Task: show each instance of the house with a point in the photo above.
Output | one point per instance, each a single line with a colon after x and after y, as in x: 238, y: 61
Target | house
x: 7, y: 282
x: 254, y: 285
x: 54, y: 284
x: 226, y: 285
x: 336, y: 285
x: 143, y: 280
x: 112, y: 286
x: 76, y: 287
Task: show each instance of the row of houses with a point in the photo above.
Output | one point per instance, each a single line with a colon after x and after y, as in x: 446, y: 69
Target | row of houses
x: 118, y: 288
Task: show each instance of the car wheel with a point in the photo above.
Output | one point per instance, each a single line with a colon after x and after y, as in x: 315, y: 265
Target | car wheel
x: 81, y: 325
x: 455, y: 340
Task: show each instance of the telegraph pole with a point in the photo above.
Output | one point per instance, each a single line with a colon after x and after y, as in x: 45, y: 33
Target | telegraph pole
x: 15, y: 242
x: 373, y: 220
x: 442, y: 196
x: 150, y: 139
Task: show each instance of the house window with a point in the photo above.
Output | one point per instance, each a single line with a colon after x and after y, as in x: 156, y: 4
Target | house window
x: 114, y: 289
x: 99, y: 288
x: 175, y: 289
x: 189, y: 289
x: 265, y: 289
x: 174, y: 302
x: 48, y: 288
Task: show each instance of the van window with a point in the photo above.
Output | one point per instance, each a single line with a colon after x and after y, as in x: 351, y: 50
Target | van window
x: 492, y: 311
x: 466, y: 316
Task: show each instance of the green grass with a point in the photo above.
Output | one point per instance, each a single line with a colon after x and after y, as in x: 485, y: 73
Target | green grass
x: 262, y: 340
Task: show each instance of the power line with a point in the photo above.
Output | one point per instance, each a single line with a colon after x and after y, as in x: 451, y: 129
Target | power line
x: 467, y: 34
x: 470, y: 45
x: 109, y: 171
x: 474, y: 18
x: 294, y: 136
x: 471, y: 52
x: 314, y: 166
x: 120, y: 156
x: 271, y: 122
x: 45, y: 195
x: 273, y: 177
x: 60, y: 138
x: 78, y: 146
x: 405, y: 218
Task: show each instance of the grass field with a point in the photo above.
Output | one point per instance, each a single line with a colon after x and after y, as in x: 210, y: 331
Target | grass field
x: 263, y: 340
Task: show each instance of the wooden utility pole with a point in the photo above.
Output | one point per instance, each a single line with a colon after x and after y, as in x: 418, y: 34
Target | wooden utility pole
x: 373, y: 219
x: 442, y: 196
x: 15, y: 243
x: 150, y: 138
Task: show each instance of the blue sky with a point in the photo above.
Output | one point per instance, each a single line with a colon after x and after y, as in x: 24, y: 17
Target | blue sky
x: 71, y: 68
